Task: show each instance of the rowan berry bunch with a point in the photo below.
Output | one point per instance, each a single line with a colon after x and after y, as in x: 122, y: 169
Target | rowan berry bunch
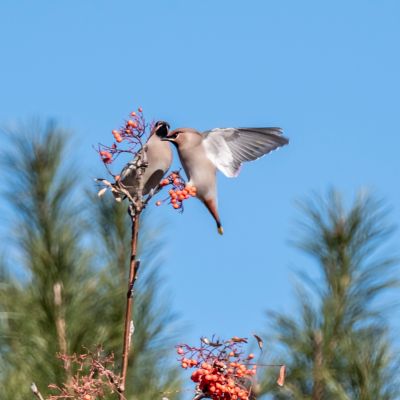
x: 179, y: 192
x: 222, y: 369
x: 131, y: 133
x: 93, y: 377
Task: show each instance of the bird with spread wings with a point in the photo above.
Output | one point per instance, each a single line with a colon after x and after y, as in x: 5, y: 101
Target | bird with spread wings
x: 225, y: 149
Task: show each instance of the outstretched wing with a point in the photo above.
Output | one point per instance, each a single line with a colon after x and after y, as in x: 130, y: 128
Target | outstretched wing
x: 228, y: 148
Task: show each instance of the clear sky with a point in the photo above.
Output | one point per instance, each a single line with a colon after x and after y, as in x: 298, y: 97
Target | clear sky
x: 326, y: 72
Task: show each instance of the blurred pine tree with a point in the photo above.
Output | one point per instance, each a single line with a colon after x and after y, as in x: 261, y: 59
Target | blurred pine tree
x: 338, y: 347
x: 64, y: 290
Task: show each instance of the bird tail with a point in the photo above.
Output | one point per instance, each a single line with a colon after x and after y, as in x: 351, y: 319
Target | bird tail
x: 212, y: 207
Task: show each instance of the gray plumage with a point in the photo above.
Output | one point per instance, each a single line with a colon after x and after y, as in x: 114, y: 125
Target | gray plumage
x: 159, y: 159
x: 228, y: 148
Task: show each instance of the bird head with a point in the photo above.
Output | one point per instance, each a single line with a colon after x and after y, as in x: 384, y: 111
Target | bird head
x: 161, y: 129
x: 183, y: 137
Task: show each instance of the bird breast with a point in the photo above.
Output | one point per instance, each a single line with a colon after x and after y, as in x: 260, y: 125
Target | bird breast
x: 199, y: 170
x: 159, y: 154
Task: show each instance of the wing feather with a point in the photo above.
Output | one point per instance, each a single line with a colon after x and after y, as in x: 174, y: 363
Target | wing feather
x: 228, y: 148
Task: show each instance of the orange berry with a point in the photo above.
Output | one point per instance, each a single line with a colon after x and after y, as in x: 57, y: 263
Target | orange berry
x: 176, y: 206
x: 133, y: 114
x: 184, y: 365
x: 251, y: 356
x: 164, y: 182
x: 176, y: 182
x: 106, y: 157
x: 115, y: 132
x: 117, y: 178
x: 158, y: 203
x: 140, y: 109
x: 195, y: 376
x: 231, y: 354
x: 184, y: 192
x: 87, y: 397
x: 181, y: 198
x: 180, y: 350
x: 118, y: 138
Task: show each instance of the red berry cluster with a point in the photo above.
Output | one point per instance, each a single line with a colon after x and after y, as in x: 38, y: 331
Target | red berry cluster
x: 222, y: 371
x: 131, y: 132
x: 179, y: 192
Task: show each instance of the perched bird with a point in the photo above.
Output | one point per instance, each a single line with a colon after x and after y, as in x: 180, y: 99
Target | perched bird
x: 159, y: 159
x: 201, y: 154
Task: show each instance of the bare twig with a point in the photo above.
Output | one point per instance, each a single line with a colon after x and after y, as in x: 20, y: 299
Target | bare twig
x: 128, y: 330
x: 36, y: 392
x: 60, y: 323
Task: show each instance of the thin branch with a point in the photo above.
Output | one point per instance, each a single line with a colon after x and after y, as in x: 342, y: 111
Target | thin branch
x: 36, y: 392
x: 60, y: 324
x: 128, y: 329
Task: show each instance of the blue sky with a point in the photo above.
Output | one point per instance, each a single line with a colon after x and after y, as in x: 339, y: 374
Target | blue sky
x: 326, y: 72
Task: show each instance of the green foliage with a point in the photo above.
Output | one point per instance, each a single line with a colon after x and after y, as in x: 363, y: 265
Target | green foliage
x: 338, y: 346
x: 66, y: 285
